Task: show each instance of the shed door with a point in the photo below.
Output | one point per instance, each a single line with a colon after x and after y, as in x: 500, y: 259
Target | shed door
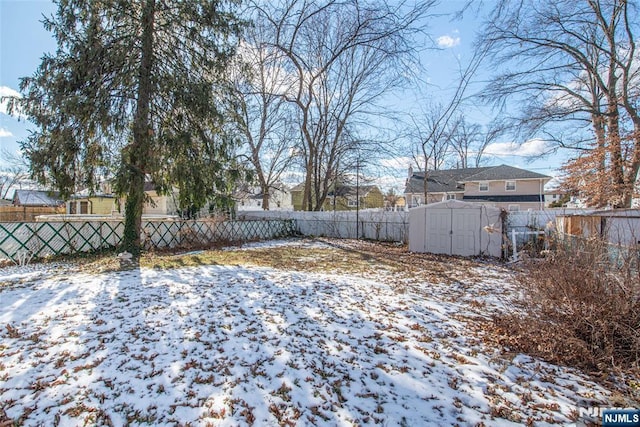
x: 465, y: 237
x: 438, y: 231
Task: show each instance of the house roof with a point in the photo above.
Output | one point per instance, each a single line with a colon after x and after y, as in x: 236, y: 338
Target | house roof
x: 440, y: 181
x: 299, y: 187
x: 451, y: 180
x: 351, y: 190
x: 149, y: 186
x: 36, y: 198
x: 503, y: 172
x: 86, y: 193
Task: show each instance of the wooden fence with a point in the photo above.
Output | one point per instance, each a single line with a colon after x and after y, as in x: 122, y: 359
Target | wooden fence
x: 27, y: 213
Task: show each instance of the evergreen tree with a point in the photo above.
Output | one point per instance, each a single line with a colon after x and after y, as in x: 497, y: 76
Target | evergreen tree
x: 136, y: 88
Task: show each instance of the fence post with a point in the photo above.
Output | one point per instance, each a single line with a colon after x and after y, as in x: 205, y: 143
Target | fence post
x: 515, y: 247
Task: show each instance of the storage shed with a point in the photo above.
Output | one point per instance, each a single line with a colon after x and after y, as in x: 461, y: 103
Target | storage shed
x: 455, y: 228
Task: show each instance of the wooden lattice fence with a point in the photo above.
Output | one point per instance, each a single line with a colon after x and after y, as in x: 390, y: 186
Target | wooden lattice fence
x: 22, y: 241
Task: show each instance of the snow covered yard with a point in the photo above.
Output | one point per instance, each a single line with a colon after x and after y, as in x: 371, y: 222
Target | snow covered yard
x: 302, y: 333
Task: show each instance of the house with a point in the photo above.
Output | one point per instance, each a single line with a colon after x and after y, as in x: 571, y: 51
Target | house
x: 158, y: 204
x: 36, y: 198
x: 343, y: 198
x: 556, y: 198
x: 501, y: 186
x: 100, y: 203
x: 394, y: 203
x: 97, y: 204
x: 106, y: 203
x: 251, y: 199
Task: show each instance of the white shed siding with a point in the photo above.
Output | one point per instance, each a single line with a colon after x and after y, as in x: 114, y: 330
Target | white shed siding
x: 455, y: 228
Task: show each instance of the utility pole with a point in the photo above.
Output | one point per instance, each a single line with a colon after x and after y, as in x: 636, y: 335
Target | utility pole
x: 358, y: 196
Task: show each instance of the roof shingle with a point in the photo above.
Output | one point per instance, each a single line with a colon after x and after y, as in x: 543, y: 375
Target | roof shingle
x: 452, y: 180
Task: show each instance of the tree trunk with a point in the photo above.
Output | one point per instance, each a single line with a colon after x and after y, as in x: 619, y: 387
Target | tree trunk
x: 264, y: 186
x: 140, y: 147
x: 307, y: 199
x: 265, y: 197
x: 621, y: 198
x: 425, y: 181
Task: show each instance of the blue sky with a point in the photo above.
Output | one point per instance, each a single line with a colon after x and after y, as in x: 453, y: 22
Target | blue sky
x: 23, y: 41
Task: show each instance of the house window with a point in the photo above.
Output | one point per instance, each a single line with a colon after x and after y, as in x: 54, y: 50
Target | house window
x: 84, y: 207
x: 484, y: 186
x: 351, y: 203
x: 451, y: 196
x: 514, y: 208
x: 510, y: 186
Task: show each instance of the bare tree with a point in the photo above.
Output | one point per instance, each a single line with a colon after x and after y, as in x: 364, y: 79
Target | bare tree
x: 341, y: 58
x: 434, y: 127
x: 264, y: 118
x: 468, y: 141
x: 432, y: 131
x: 14, y: 172
x: 573, y: 68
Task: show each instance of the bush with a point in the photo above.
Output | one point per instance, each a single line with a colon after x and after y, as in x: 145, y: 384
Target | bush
x: 580, y: 307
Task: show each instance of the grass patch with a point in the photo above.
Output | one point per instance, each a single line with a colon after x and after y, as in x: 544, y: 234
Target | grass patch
x: 339, y: 256
x: 283, y: 258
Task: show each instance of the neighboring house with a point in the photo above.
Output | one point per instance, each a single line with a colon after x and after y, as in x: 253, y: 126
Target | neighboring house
x: 105, y: 203
x: 36, y: 198
x: 158, y: 205
x: 250, y: 199
x: 394, y: 203
x: 97, y: 204
x: 501, y: 186
x: 344, y: 198
x: 556, y: 199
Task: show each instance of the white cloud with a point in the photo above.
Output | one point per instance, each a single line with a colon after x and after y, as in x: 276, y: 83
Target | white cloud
x: 4, y: 92
x: 448, y: 41
x: 397, y: 162
x: 531, y: 148
x: 5, y: 133
x: 389, y: 182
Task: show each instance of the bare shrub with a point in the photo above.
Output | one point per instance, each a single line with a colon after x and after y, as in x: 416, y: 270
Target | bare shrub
x: 580, y: 307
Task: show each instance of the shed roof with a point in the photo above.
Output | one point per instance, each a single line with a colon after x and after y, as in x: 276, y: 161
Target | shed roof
x: 456, y: 204
x: 36, y: 198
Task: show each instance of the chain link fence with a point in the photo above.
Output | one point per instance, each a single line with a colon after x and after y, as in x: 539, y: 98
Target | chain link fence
x: 22, y: 241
